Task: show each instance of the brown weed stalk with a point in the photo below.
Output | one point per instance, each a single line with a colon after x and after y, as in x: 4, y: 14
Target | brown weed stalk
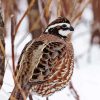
x: 26, y: 12
x: 13, y: 24
x: 95, y: 38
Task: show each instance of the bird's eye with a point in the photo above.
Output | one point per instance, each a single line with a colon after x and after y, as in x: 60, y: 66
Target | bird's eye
x: 64, y: 26
x: 51, y: 29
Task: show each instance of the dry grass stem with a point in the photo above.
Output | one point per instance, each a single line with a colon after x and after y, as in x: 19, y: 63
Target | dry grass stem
x: 26, y: 12
x: 46, y: 13
x: 19, y: 87
x: 12, y: 41
x: 2, y: 47
x: 73, y: 91
x: 80, y: 11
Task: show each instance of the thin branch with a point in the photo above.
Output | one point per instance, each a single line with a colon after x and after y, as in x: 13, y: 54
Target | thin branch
x: 47, y: 98
x: 12, y: 41
x: 73, y: 91
x: 26, y: 12
x: 46, y: 15
x: 2, y: 47
x: 46, y: 9
x: 19, y: 87
x: 77, y: 16
x: 30, y: 97
x: 13, y: 57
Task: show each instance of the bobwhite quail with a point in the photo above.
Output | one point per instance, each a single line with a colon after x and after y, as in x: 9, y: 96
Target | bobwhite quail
x: 46, y: 63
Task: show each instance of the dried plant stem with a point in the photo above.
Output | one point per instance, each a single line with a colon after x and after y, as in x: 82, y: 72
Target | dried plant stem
x: 26, y: 12
x: 30, y: 97
x: 34, y: 25
x: 19, y: 87
x: 73, y: 91
x: 12, y: 41
x: 59, y: 8
x: 46, y: 14
x: 13, y: 58
x: 2, y: 47
x: 46, y: 9
x: 47, y: 98
x: 78, y: 15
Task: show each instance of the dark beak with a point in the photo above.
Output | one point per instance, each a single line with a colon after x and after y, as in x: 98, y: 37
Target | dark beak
x: 71, y: 28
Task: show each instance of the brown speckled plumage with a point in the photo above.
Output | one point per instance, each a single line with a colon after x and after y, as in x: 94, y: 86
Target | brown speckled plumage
x: 45, y: 65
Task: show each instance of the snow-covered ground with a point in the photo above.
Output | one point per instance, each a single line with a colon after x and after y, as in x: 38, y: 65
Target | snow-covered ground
x: 86, y: 72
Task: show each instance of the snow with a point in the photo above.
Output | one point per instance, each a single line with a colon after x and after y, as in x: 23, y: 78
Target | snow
x: 86, y: 75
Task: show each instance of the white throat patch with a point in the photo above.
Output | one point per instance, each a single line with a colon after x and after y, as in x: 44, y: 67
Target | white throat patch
x: 58, y: 24
x: 64, y: 33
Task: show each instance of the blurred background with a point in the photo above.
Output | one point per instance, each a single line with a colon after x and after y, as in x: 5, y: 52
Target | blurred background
x: 23, y: 20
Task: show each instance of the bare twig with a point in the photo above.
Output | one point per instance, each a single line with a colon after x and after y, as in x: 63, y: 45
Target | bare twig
x: 26, y: 12
x: 78, y: 15
x: 12, y: 41
x: 73, y: 91
x: 47, y: 98
x: 46, y: 10
x: 30, y: 97
x: 13, y: 58
x: 19, y: 87
x: 46, y: 15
